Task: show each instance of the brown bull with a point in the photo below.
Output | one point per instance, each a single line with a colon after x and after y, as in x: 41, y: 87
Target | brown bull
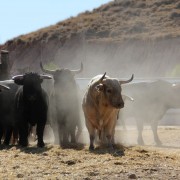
x: 101, y: 104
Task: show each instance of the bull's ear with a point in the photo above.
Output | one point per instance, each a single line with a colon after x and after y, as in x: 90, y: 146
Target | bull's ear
x: 18, y: 79
x: 99, y: 87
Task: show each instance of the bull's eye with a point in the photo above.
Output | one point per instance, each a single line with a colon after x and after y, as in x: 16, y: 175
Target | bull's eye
x: 109, y: 91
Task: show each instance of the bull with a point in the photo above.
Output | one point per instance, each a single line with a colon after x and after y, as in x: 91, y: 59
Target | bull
x: 101, y: 104
x: 7, y: 115
x: 31, y: 105
x: 65, y: 103
x: 151, y: 102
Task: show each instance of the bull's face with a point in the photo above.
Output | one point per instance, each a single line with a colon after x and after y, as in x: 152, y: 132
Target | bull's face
x: 64, y: 81
x: 63, y: 76
x: 31, y: 85
x: 111, y: 90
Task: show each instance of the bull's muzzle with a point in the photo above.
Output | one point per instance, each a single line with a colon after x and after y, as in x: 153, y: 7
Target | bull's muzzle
x: 119, y: 105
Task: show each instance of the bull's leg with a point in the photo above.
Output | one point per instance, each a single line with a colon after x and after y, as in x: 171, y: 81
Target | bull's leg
x: 1, y: 132
x: 65, y: 137
x: 73, y: 138
x: 113, y: 140
x: 140, y: 126
x: 55, y: 129
x: 79, y: 131
x: 15, y: 135
x: 8, y: 135
x: 91, y: 131
x: 110, y: 131
x: 92, y: 138
x: 154, y: 126
x: 59, y: 133
x: 109, y: 139
x: 40, y: 130
x: 63, y: 134
x: 23, y: 134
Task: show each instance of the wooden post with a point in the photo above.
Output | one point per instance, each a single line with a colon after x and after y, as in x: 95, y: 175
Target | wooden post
x: 4, y: 66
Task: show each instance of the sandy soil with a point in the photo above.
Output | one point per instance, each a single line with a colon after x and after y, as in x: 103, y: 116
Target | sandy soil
x: 128, y: 162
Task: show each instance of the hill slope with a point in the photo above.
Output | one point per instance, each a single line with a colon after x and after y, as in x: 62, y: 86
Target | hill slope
x: 121, y: 38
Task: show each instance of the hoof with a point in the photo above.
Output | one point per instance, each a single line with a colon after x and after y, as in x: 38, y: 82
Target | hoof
x: 91, y: 148
x: 158, y: 143
x: 6, y: 143
x: 118, y: 153
x: 41, y: 144
x: 140, y: 142
x: 23, y: 144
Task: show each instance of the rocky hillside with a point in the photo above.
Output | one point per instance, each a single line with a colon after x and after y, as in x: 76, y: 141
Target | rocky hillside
x: 121, y: 38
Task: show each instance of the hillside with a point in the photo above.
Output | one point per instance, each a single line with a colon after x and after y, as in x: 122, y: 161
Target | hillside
x: 121, y: 38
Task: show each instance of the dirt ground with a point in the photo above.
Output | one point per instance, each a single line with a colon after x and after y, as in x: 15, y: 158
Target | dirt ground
x: 129, y: 161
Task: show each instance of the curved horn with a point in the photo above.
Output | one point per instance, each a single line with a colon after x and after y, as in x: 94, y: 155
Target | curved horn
x: 100, y: 80
x: 17, y: 77
x: 4, y: 87
x: 78, y: 70
x: 127, y: 81
x: 45, y: 70
x: 127, y: 97
x: 43, y: 76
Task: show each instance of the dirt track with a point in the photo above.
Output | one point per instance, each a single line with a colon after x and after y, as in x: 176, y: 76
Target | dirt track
x: 138, y: 162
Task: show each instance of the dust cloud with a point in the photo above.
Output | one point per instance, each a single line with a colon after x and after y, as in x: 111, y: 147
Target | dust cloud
x: 145, y: 59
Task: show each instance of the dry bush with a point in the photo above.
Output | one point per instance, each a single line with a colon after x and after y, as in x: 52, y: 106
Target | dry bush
x: 114, y: 20
x: 175, y: 15
x: 163, y: 2
x: 178, y: 5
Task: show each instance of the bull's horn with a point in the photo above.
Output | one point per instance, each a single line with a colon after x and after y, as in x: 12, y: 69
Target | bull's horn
x: 17, y: 77
x: 43, y: 76
x: 100, y: 80
x: 45, y: 70
x: 127, y: 81
x: 78, y: 70
x: 127, y: 97
x: 4, y: 87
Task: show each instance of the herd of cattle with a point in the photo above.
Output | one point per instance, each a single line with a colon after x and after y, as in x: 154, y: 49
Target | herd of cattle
x: 24, y: 104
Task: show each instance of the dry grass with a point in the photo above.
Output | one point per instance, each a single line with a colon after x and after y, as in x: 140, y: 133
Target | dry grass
x: 53, y: 162
x: 116, y: 21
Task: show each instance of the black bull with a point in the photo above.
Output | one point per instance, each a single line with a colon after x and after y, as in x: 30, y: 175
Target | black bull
x: 64, y: 100
x: 7, y: 116
x: 151, y: 102
x: 31, y: 105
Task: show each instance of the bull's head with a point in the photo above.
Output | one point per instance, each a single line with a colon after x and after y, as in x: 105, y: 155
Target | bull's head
x: 63, y: 77
x: 3, y: 87
x: 53, y: 72
x: 31, y: 83
x: 111, y: 89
